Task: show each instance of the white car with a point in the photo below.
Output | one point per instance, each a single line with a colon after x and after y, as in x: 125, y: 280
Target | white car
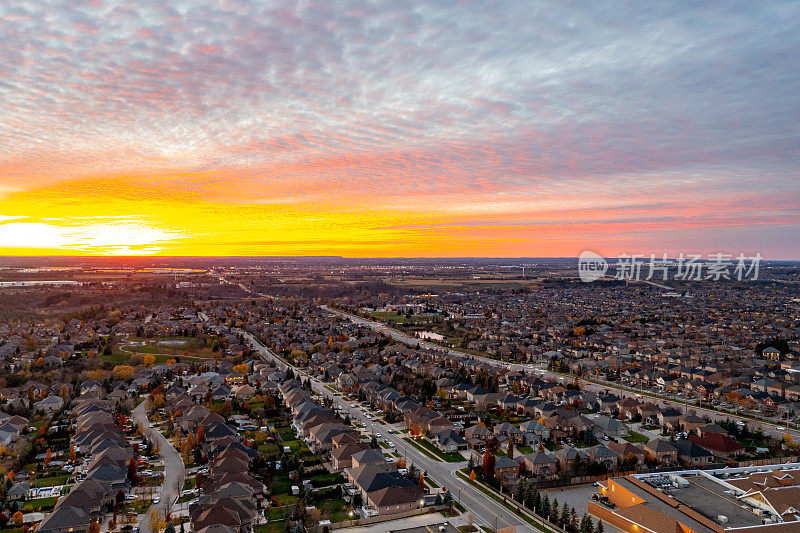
x: 780, y: 428
x: 391, y: 445
x: 378, y: 435
x: 157, y: 499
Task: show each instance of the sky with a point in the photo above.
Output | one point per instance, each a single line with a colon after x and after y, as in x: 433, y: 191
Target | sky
x: 386, y: 128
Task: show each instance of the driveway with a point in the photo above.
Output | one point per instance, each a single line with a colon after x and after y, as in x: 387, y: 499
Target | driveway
x: 174, y: 471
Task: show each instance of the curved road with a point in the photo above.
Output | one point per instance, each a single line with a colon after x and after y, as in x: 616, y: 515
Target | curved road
x: 174, y: 470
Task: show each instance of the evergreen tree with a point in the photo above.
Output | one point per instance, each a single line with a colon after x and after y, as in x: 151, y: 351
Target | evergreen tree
x: 599, y: 528
x: 554, y: 516
x: 537, y: 502
x: 564, y: 521
x: 586, y: 525
x: 545, y: 507
x: 522, y: 490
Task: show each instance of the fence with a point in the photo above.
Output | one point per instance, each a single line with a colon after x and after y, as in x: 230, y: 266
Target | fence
x: 380, y: 518
x: 578, y: 480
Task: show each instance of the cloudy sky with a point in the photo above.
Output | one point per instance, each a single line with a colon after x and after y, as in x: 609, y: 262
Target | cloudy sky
x: 241, y: 127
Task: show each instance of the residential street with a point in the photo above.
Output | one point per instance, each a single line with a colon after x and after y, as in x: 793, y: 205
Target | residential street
x: 485, y: 510
x: 174, y: 471
x: 768, y: 428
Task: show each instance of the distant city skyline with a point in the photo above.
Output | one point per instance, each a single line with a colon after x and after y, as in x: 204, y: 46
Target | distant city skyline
x: 390, y: 129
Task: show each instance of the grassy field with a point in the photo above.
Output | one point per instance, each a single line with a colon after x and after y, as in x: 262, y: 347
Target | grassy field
x: 431, y: 451
x: 273, y: 527
x: 394, y: 318
x: 40, y: 503
x: 53, y: 480
x: 634, y: 437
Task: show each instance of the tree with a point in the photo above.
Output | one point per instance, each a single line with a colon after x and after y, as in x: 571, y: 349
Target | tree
x: 488, y: 465
x: 18, y: 518
x: 132, y: 466
x: 522, y: 490
x: 564, y: 515
x: 72, y: 454
x: 421, y: 481
x: 123, y: 372
x: 94, y: 527
x: 201, y: 434
x: 48, y: 457
x: 599, y: 528
x: 554, y: 516
x: 156, y: 521
x: 586, y: 525
x: 471, y: 463
x: 545, y: 507
x: 510, y: 449
x: 573, y: 519
x: 472, y: 475
x: 241, y: 369
x: 170, y: 528
x: 447, y: 499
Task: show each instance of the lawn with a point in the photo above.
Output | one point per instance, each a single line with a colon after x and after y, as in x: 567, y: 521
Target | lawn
x: 276, y: 513
x: 323, y: 479
x: 336, y: 508
x: 285, y: 499
x: 53, y: 480
x: 394, y: 318
x: 269, y: 449
x: 430, y: 450
x: 40, y: 503
x: 634, y: 437
x: 274, y: 527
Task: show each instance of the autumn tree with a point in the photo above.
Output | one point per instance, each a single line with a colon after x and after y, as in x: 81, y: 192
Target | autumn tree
x: 123, y: 372
x: 132, y: 466
x: 488, y: 465
x: 201, y: 434
x: 48, y: 456
x: 241, y: 369
x: 18, y: 518
x: 156, y: 521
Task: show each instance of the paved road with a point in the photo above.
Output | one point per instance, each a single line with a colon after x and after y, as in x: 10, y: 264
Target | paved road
x: 768, y: 428
x: 174, y: 471
x: 485, y: 510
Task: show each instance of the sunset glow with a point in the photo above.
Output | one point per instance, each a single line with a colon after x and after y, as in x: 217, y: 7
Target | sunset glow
x: 396, y: 129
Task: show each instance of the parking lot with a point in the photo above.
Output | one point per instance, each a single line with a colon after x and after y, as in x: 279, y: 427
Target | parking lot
x: 578, y: 497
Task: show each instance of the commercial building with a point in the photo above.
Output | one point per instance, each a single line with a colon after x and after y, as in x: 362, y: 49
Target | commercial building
x: 763, y: 499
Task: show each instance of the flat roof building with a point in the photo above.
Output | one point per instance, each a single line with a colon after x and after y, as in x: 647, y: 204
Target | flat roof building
x: 763, y: 499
